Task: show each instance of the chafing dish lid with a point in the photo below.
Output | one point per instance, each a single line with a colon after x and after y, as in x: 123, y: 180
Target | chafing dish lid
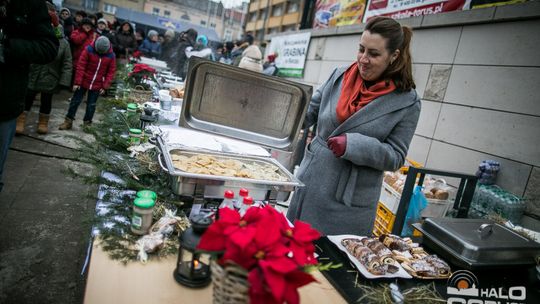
x: 245, y: 105
x: 479, y: 240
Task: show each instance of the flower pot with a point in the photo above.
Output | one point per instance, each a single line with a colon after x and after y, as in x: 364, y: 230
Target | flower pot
x: 230, y: 284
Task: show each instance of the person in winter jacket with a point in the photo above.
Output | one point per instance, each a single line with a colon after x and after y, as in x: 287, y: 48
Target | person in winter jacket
x: 26, y: 37
x: 103, y: 29
x: 124, y: 42
x: 81, y: 38
x: 200, y: 49
x: 236, y: 54
x: 366, y: 115
x: 168, y: 49
x: 187, y: 39
x: 67, y: 21
x: 46, y: 79
x: 79, y: 16
x: 151, y: 46
x: 269, y: 67
x: 252, y: 59
x: 94, y: 74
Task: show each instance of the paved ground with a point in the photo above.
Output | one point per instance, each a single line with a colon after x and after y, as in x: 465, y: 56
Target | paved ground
x: 44, y: 215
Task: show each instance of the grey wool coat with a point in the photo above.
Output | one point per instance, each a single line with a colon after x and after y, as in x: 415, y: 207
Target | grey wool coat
x: 341, y: 194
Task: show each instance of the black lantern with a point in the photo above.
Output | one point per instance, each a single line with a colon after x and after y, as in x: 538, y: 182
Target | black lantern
x: 190, y: 270
x: 148, y: 117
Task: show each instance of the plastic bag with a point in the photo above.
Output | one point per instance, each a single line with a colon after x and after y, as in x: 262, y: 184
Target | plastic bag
x: 417, y: 204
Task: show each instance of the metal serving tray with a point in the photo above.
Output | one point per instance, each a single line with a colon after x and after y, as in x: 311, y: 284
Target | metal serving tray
x: 477, y: 243
x: 187, y: 184
x: 242, y: 104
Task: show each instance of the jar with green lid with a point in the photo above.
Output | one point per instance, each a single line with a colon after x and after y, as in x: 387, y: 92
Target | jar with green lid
x: 141, y: 220
x: 135, y: 136
x: 132, y: 108
x: 147, y: 194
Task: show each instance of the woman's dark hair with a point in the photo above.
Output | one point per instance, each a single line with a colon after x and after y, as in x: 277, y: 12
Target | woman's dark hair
x: 82, y: 13
x: 229, y: 45
x: 397, y: 38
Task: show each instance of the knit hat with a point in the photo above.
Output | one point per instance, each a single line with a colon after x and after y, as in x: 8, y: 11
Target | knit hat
x: 65, y: 9
x: 87, y: 21
x: 169, y: 33
x: 102, y: 20
x: 102, y: 44
x: 152, y: 33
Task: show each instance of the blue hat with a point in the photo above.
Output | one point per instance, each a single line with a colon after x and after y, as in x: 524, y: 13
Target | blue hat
x: 202, y: 40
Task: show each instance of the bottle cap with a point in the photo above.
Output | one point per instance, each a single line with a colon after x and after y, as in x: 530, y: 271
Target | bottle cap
x: 244, y: 192
x: 229, y: 194
x: 248, y: 200
x: 135, y: 131
x: 147, y: 194
x: 144, y: 203
x: 132, y: 106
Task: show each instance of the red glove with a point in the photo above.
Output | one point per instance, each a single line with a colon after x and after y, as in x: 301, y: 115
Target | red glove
x: 337, y: 144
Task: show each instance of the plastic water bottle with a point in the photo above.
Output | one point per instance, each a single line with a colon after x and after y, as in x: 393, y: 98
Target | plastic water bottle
x: 228, y: 201
x: 242, y: 193
x: 246, y: 204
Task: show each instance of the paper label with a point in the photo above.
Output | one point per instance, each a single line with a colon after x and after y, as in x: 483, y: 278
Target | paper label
x: 136, y: 221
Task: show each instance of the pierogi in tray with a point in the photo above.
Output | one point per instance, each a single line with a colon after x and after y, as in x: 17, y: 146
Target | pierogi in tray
x: 226, y: 166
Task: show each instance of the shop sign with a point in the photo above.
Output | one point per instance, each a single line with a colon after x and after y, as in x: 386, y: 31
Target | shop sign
x: 291, y: 51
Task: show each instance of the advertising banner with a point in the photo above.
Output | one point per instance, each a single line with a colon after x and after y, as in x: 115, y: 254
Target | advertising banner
x: 330, y: 13
x: 399, y: 9
x: 291, y: 51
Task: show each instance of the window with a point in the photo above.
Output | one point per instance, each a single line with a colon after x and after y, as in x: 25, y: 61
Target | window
x: 109, y: 8
x: 90, y: 5
x: 155, y: 11
x: 185, y: 17
x: 277, y: 10
x: 227, y: 36
x: 167, y: 13
x: 253, y: 17
x: 213, y: 25
x: 292, y: 7
x: 263, y: 14
x: 273, y: 30
x: 289, y: 28
x: 203, y: 22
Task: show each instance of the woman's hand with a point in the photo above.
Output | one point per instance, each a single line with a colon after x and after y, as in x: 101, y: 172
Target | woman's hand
x: 337, y: 144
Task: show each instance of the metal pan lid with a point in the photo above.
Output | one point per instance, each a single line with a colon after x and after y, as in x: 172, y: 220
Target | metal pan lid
x: 242, y: 104
x: 479, y: 241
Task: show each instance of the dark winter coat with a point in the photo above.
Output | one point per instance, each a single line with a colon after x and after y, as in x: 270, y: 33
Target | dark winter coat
x: 28, y: 38
x: 150, y: 48
x: 124, y: 41
x: 95, y: 71
x: 341, y: 193
x: 169, y: 53
x: 80, y: 40
x: 47, y: 77
x: 186, y: 39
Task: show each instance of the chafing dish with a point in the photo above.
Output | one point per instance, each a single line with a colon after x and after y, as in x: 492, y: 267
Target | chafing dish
x: 477, y: 243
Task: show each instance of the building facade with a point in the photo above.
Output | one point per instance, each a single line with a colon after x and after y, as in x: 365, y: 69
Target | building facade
x: 266, y: 17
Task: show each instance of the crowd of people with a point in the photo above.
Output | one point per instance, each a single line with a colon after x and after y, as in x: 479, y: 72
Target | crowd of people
x: 86, y: 48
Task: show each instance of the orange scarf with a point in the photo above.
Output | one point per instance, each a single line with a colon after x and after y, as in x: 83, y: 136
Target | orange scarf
x: 354, y: 94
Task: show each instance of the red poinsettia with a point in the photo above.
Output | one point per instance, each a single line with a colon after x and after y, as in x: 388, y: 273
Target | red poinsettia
x: 137, y: 54
x: 263, y: 243
x: 141, y: 68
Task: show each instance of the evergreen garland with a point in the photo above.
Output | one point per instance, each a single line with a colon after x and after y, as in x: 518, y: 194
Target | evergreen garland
x: 108, y: 153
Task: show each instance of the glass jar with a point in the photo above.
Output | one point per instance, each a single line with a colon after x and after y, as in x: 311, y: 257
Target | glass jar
x: 141, y: 220
x: 135, y: 136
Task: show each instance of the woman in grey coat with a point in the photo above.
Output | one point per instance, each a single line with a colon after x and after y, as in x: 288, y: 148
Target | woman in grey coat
x: 366, y: 115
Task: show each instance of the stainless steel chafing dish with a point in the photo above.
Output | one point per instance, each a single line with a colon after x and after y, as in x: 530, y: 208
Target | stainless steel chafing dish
x: 240, y: 104
x: 477, y: 243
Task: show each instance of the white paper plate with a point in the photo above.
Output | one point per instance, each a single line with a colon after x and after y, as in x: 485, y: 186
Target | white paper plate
x: 336, y: 239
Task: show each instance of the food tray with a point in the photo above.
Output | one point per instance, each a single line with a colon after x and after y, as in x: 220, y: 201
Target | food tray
x: 185, y: 183
x: 336, y: 239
